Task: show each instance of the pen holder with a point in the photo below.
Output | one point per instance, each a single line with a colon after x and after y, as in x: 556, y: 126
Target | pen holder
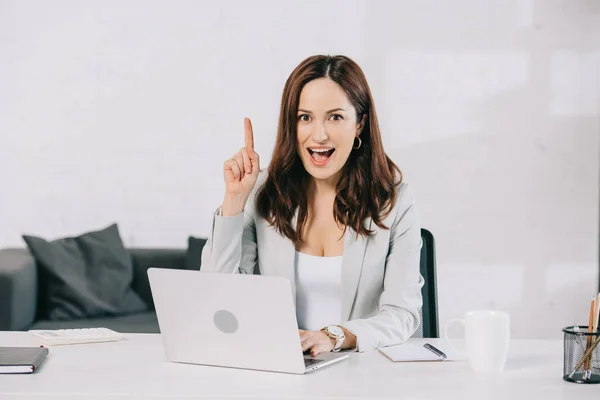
x: 581, y: 355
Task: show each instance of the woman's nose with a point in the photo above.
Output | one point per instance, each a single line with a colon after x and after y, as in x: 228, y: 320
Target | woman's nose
x: 319, y: 134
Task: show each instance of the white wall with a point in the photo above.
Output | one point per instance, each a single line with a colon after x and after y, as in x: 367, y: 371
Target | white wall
x: 123, y: 112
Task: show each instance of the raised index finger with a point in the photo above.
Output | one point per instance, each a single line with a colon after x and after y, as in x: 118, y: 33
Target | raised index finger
x: 249, y: 134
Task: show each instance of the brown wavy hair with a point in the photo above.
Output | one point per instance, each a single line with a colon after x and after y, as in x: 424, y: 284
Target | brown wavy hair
x: 367, y: 187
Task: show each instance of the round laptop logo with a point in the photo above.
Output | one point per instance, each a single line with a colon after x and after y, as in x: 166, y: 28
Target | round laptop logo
x: 225, y: 321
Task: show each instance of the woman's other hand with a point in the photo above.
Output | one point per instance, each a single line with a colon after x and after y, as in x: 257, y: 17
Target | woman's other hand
x: 316, y: 342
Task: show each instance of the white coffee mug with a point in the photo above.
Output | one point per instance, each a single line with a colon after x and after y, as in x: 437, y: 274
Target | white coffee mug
x: 487, y: 337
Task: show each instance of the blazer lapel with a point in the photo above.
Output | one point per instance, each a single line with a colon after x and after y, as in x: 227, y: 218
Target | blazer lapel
x: 284, y: 257
x: 352, y: 264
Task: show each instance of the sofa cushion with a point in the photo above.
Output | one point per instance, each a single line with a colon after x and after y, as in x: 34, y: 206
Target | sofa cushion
x: 144, y: 322
x: 85, y: 276
x: 193, y: 254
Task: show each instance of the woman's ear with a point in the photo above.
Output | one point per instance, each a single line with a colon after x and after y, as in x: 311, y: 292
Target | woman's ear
x: 361, y: 125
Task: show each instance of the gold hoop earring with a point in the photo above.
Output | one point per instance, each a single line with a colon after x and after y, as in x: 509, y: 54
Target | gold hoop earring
x: 359, y: 144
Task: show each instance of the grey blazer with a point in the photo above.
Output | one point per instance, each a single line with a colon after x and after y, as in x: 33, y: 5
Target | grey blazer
x: 381, y: 281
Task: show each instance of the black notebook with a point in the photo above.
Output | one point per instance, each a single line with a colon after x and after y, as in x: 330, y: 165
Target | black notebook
x: 21, y: 360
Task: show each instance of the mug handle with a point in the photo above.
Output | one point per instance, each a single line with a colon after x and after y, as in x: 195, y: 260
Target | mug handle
x: 447, y: 338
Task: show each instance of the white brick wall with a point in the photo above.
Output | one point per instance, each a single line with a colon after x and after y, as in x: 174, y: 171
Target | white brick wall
x: 124, y: 111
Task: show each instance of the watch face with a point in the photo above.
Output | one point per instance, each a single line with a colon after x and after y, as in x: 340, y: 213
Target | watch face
x: 335, y: 330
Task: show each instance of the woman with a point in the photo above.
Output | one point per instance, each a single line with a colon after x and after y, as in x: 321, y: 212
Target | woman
x: 331, y: 214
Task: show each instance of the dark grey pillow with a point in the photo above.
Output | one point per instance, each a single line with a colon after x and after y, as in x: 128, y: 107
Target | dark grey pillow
x: 85, y: 276
x: 193, y: 255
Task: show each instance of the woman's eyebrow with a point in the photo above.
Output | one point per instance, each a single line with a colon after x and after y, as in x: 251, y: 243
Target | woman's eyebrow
x: 326, y: 112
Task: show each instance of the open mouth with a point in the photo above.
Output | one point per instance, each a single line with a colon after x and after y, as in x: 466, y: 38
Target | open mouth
x: 321, y: 155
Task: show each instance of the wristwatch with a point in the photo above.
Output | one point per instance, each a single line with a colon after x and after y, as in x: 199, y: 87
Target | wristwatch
x: 335, y: 332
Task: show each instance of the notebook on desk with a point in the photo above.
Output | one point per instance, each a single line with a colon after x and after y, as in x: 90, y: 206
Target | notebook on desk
x: 411, y: 352
x: 21, y: 360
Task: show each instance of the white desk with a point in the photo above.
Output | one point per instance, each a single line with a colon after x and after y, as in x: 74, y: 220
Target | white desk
x: 137, y: 368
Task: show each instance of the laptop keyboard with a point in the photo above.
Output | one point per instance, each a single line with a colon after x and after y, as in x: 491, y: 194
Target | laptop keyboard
x: 311, y: 361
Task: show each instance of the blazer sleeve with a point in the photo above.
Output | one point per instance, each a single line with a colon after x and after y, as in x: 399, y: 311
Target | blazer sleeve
x: 401, y: 299
x: 231, y: 246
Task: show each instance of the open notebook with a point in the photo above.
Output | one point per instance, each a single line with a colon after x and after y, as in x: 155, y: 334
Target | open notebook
x: 416, y: 351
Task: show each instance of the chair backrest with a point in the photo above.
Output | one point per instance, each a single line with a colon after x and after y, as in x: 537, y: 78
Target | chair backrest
x: 153, y: 257
x: 429, y: 313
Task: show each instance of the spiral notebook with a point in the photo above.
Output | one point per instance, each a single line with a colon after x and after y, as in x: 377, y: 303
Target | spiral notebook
x: 21, y: 360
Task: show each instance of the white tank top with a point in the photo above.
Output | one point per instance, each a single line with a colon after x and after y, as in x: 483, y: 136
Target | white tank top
x: 318, y: 291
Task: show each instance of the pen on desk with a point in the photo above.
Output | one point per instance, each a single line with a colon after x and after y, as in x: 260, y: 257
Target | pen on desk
x: 435, y: 351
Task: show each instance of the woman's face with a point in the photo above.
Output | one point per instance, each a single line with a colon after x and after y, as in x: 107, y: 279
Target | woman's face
x: 326, y: 128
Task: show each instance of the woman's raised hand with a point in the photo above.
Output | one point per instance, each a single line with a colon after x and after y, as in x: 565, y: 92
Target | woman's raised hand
x: 240, y: 173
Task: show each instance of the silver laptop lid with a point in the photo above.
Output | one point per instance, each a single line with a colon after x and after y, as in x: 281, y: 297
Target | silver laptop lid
x: 231, y: 320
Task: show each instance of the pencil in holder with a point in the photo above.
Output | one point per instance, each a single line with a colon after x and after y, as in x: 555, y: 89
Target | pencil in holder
x: 581, y: 355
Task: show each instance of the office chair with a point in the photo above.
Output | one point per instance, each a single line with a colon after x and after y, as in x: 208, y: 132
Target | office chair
x: 429, y: 313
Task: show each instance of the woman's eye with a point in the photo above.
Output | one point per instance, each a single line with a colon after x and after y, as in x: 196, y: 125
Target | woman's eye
x: 304, y: 118
x: 337, y: 117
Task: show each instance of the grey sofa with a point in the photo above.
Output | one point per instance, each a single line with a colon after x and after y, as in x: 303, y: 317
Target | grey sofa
x: 19, y: 292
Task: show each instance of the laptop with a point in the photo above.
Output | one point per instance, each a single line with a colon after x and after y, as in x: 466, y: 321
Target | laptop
x: 231, y: 320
